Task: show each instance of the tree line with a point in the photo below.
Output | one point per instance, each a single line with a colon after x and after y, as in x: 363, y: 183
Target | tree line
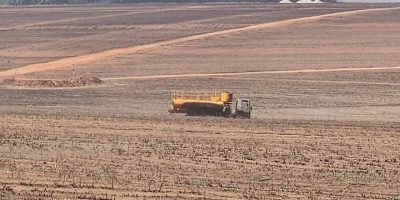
x: 48, y: 2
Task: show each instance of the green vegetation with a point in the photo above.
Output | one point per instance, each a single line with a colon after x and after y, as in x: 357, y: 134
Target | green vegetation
x: 33, y: 2
x: 192, y: 1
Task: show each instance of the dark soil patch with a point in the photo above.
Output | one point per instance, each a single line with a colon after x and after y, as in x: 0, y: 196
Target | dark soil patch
x: 73, y: 82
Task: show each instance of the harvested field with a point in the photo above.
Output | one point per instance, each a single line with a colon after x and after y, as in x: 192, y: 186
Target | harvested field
x: 324, y: 81
x: 122, y: 158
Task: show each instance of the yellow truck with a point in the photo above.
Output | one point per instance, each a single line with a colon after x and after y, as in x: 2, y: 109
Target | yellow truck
x: 205, y: 103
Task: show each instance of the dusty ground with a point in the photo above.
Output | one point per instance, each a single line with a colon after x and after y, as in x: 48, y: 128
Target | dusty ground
x: 325, y: 91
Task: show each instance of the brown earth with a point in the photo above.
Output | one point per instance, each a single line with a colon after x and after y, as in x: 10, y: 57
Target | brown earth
x: 325, y: 91
x: 109, y: 54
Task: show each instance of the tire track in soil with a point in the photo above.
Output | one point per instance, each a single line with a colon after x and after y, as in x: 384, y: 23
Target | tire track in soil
x: 252, y: 73
x: 24, y: 26
x: 340, y: 82
x: 178, y: 25
x: 84, y: 59
x: 17, y: 52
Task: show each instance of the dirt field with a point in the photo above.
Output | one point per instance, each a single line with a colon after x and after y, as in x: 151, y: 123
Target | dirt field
x: 324, y: 81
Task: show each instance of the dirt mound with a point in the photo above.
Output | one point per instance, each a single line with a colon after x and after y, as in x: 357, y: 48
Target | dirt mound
x: 73, y: 82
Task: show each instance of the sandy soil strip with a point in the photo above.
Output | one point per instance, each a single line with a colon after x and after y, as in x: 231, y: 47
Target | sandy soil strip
x: 84, y: 59
x: 340, y: 82
x: 253, y: 73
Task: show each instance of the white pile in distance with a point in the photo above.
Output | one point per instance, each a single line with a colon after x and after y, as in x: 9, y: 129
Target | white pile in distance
x: 285, y: 1
x: 310, y: 1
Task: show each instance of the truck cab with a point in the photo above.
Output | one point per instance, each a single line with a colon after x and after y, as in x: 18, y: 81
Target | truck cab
x: 243, y: 108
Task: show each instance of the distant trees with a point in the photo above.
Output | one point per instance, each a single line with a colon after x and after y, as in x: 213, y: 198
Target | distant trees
x: 44, y: 2
x: 193, y: 1
x: 33, y: 2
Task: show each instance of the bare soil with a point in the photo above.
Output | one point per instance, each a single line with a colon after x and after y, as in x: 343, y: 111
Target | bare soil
x: 51, y: 157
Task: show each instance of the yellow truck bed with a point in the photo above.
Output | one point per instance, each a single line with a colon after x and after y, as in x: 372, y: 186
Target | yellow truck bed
x: 199, y: 102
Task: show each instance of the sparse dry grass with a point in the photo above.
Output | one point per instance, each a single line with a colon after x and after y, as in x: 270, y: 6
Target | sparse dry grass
x: 95, y: 157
